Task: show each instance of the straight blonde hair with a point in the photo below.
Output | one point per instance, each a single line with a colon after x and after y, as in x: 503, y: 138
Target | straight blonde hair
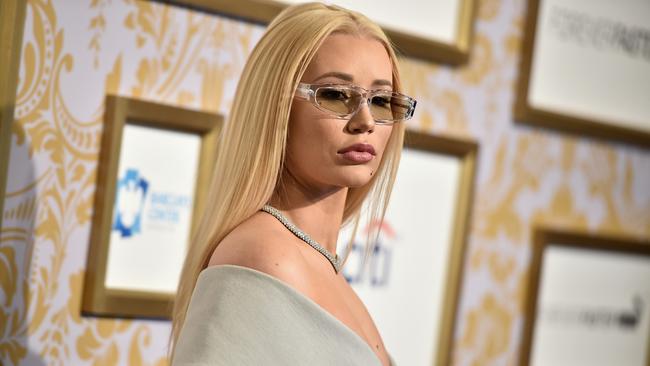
x: 251, y: 151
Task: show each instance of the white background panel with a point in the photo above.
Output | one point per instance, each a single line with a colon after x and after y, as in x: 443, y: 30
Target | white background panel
x: 152, y: 259
x: 408, y: 307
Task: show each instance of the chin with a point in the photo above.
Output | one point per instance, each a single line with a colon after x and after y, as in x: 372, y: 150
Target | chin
x: 359, y: 177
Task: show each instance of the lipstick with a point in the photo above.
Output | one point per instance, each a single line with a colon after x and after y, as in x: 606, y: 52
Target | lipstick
x: 358, y: 153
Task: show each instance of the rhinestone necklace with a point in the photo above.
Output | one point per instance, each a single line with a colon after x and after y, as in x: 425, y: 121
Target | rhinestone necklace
x: 334, y: 259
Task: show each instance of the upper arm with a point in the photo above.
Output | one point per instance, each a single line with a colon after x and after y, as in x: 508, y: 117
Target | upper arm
x: 234, y: 329
x: 263, y: 249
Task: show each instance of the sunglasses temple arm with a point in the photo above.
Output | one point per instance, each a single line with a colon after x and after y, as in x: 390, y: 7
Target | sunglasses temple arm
x: 303, y: 92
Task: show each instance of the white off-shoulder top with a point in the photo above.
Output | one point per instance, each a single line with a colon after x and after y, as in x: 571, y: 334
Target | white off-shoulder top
x: 241, y: 316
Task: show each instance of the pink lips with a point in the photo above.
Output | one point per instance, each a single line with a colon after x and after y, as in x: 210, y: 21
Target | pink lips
x: 358, y: 153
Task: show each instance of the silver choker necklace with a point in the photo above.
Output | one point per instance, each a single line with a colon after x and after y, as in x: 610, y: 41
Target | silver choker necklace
x: 334, y: 259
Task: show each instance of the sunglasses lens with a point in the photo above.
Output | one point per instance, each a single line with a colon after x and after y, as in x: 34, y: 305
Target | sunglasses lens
x: 339, y: 100
x: 391, y: 107
x: 381, y: 107
x: 384, y: 106
x: 401, y: 107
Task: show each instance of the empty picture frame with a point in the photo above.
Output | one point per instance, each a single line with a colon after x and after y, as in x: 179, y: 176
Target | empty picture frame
x: 586, y: 68
x: 153, y: 173
x: 439, y: 31
x: 588, y: 301
x: 411, y: 282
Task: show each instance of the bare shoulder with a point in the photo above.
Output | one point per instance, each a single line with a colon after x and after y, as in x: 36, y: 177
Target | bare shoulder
x: 263, y: 244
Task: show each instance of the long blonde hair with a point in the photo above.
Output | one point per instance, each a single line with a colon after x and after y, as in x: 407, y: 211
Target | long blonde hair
x: 252, y: 148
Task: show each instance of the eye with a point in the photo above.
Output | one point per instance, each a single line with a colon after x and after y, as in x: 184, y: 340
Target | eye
x: 381, y: 101
x: 333, y: 94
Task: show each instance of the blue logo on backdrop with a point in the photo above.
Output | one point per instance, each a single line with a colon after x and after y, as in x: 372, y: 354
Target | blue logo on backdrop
x: 136, y: 201
x: 129, y: 203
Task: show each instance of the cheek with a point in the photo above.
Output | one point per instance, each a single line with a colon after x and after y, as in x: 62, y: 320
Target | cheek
x: 311, y: 131
x: 383, y: 134
x: 310, y: 139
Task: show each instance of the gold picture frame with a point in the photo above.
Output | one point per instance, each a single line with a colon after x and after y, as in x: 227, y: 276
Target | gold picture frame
x: 12, y: 19
x: 467, y: 152
x: 545, y: 238
x: 120, y: 111
x: 579, y: 124
x: 455, y: 53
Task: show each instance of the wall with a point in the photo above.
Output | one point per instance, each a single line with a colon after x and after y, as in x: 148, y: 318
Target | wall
x: 73, y: 55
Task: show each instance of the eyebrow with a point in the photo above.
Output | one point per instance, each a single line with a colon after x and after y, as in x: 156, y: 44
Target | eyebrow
x: 350, y: 78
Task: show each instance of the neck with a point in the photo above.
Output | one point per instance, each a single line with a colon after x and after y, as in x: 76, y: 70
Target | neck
x: 317, y: 212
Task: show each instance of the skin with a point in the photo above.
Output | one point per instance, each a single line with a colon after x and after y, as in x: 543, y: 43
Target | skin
x: 317, y: 177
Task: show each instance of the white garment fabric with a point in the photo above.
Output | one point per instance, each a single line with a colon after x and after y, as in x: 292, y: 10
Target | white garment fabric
x: 241, y: 316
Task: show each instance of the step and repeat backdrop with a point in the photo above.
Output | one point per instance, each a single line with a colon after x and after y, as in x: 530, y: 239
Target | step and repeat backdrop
x: 511, y: 180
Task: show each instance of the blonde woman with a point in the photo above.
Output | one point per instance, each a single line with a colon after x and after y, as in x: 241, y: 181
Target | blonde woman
x: 316, y: 129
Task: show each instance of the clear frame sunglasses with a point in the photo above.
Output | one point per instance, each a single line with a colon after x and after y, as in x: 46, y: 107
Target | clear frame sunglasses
x: 342, y: 101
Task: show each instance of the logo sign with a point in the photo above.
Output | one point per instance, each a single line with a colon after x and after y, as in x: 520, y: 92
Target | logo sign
x: 129, y: 203
x: 135, y: 202
x: 590, y: 317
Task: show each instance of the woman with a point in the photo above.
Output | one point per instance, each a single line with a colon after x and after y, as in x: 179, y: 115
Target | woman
x: 316, y: 128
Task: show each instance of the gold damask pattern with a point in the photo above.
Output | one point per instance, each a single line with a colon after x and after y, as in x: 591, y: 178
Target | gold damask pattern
x: 148, y: 50
x: 47, y: 214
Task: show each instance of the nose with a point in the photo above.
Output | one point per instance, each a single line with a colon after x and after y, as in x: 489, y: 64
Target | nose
x: 362, y: 121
